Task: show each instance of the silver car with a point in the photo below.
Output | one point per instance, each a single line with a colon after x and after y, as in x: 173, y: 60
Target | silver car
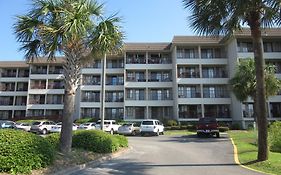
x: 7, y: 124
x: 129, y: 129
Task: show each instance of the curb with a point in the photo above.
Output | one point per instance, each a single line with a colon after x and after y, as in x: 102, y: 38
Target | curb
x: 93, y: 163
x: 236, y: 160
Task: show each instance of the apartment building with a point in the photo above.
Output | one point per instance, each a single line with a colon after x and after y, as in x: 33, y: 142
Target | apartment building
x: 184, y: 79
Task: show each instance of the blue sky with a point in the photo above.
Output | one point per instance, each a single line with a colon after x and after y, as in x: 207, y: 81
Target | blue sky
x: 143, y: 21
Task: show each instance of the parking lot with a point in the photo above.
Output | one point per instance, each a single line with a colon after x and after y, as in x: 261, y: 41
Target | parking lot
x: 173, y: 155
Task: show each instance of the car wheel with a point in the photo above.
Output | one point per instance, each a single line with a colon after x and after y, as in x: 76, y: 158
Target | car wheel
x: 133, y: 133
x: 218, y: 135
x: 158, y: 133
x: 111, y: 132
x: 44, y: 131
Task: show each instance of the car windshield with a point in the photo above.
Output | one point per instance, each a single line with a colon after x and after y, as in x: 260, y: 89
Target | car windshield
x: 86, y: 124
x: 207, y: 120
x: 147, y: 123
x: 36, y: 123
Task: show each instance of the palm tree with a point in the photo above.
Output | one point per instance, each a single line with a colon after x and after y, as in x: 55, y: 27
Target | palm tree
x: 61, y: 27
x: 243, y: 84
x: 215, y: 17
x: 107, y: 39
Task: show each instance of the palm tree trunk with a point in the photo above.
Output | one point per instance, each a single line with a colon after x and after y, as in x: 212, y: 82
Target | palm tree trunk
x: 260, y: 91
x: 102, y: 109
x: 67, y: 119
x: 72, y: 75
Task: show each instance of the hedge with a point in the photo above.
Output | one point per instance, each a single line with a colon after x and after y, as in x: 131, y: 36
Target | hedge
x: 274, y: 137
x: 54, y: 140
x: 98, y: 141
x: 22, y: 152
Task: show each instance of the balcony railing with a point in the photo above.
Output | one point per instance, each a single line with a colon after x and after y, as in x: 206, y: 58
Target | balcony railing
x: 20, y: 103
x: 5, y: 88
x: 56, y: 71
x: 91, y: 83
x: 114, y: 83
x: 132, y: 79
x: 111, y: 99
x: 159, y: 80
x: 156, y: 96
x: 38, y: 86
x: 6, y: 103
x: 190, y: 95
x: 216, y: 95
x: 189, y: 75
x: 135, y: 61
x: 23, y: 73
x: 56, y: 86
x: 14, y: 74
x: 90, y: 99
x: 35, y: 101
x: 43, y: 71
x: 55, y: 101
x: 135, y: 97
x: 159, y: 61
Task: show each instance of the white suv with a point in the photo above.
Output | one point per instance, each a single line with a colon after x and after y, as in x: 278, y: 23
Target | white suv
x: 109, y: 126
x: 151, y: 126
x: 42, y: 127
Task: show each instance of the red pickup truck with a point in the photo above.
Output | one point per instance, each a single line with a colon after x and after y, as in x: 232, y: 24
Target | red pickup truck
x: 208, y: 126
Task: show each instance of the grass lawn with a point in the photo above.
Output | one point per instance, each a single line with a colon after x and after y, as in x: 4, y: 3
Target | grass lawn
x: 245, y: 142
x: 178, y: 132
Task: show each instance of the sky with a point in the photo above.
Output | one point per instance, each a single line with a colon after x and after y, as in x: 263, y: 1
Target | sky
x: 142, y: 21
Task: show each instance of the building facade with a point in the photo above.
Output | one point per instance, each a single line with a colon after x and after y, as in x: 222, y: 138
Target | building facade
x: 183, y: 80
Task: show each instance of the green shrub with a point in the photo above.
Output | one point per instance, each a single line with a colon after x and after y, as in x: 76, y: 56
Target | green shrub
x: 191, y: 127
x: 122, y: 140
x: 85, y: 120
x: 275, y: 136
x: 168, y: 128
x: 183, y: 127
x: 28, y: 121
x: 97, y: 141
x: 21, y: 152
x: 171, y: 123
x: 54, y: 140
x: 175, y: 127
x: 235, y: 126
x: 223, y: 128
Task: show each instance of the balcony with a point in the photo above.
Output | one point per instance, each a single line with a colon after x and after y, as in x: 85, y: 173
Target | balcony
x: 192, y: 94
x: 56, y: 70
x: 90, y: 99
x: 23, y: 73
x: 7, y: 87
x: 56, y: 85
x: 6, y: 101
x: 111, y: 99
x: 189, y: 74
x: 34, y: 86
x: 39, y: 71
x: 9, y: 74
x: 36, y: 101
x: 55, y: 101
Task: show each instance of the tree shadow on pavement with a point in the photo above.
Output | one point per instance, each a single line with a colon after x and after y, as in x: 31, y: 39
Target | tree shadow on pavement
x: 194, y: 138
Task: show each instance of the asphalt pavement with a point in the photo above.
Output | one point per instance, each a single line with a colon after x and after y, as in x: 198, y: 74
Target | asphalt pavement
x: 173, y: 155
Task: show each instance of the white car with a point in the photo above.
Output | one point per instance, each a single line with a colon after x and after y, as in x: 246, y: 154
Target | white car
x: 109, y: 126
x: 151, y: 126
x: 42, y: 127
x: 87, y: 126
x: 57, y: 127
x: 23, y: 126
